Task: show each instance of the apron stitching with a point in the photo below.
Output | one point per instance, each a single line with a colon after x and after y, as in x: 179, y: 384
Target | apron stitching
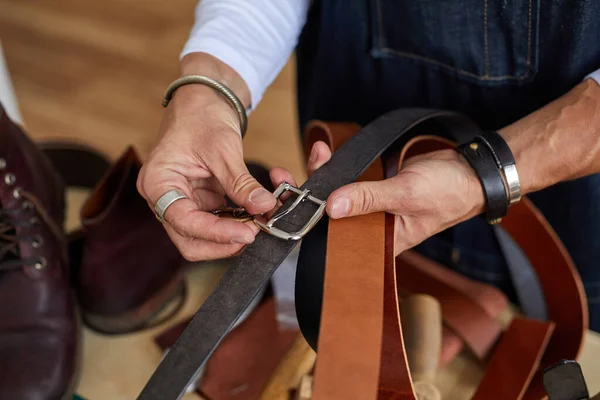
x: 380, y: 23
x: 485, y: 77
x: 485, y: 39
x: 529, y: 38
x: 449, y: 67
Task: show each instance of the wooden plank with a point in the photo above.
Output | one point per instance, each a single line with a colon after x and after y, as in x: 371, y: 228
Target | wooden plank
x: 291, y: 372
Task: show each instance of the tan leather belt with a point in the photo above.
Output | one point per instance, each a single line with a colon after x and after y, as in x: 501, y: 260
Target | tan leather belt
x: 361, y: 353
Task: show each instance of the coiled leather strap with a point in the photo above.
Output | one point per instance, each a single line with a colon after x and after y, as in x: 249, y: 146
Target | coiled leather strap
x: 482, y: 160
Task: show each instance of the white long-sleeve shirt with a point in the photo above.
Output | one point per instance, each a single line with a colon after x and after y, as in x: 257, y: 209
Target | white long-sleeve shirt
x: 8, y: 99
x: 254, y: 37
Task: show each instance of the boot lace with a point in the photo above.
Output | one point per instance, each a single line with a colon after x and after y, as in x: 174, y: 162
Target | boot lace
x: 27, y: 213
x: 10, y: 219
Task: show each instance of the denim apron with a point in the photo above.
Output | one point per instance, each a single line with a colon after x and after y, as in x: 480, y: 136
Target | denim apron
x: 493, y: 60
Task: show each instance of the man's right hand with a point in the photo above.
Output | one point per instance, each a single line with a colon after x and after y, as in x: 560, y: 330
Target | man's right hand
x: 200, y: 153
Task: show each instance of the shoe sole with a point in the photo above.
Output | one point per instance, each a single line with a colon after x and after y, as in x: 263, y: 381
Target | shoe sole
x: 151, y: 313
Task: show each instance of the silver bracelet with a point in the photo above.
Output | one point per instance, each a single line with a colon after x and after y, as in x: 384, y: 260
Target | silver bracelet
x: 505, y: 162
x: 218, y: 86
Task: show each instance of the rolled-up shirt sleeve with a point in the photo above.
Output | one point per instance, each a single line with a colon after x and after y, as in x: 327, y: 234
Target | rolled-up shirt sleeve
x: 595, y: 76
x: 254, y: 37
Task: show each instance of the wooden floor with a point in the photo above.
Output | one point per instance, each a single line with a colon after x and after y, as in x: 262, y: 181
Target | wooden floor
x: 94, y: 72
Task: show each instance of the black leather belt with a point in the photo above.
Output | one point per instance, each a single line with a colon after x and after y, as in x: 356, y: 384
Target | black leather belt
x: 255, y: 265
x: 253, y: 268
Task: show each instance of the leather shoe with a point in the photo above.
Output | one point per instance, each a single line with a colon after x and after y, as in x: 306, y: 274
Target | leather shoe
x: 39, y: 333
x: 130, y: 270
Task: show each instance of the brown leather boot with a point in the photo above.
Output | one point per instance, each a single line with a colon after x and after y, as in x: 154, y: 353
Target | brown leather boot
x: 130, y: 269
x: 39, y: 333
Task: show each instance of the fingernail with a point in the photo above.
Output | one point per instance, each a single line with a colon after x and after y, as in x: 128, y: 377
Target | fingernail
x: 340, y: 207
x: 313, y: 155
x: 261, y: 197
x: 242, y: 239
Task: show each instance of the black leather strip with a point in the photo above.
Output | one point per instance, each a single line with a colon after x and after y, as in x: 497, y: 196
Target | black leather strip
x: 482, y: 161
x: 564, y: 381
x: 253, y: 268
x: 500, y: 150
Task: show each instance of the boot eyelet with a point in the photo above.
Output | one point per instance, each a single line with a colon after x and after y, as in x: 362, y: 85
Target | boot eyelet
x: 27, y: 205
x: 2, y: 163
x: 9, y: 179
x: 17, y: 193
x: 41, y: 264
x: 37, y: 242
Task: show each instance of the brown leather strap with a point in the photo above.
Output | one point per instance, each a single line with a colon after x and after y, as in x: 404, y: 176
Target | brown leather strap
x: 368, y: 305
x: 474, y: 298
x: 519, y: 352
x: 464, y: 317
x: 565, y: 297
x: 395, y: 381
x: 487, y: 297
x: 557, y: 274
x: 347, y: 363
x: 359, y: 350
x: 246, y: 359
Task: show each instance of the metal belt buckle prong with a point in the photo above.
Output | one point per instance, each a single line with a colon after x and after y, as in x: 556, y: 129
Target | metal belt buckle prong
x: 236, y: 214
x: 303, y: 195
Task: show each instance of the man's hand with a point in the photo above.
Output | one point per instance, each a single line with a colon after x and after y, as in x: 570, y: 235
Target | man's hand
x: 430, y: 193
x: 435, y: 191
x: 200, y: 153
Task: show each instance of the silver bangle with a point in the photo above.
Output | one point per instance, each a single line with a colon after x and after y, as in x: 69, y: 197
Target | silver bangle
x: 512, y: 182
x: 218, y: 86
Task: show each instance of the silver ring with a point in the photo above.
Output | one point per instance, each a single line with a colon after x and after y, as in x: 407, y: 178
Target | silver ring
x: 165, y: 201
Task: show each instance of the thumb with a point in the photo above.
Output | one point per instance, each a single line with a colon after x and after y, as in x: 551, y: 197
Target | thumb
x: 241, y: 187
x: 362, y: 198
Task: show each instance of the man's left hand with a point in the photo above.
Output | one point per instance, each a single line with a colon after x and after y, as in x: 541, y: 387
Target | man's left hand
x: 430, y: 193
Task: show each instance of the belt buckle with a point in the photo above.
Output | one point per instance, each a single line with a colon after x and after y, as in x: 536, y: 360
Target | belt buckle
x: 303, y: 195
